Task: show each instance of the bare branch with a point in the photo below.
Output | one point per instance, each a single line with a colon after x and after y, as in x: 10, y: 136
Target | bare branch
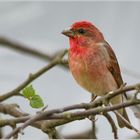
x: 11, y: 109
x: 34, y: 76
x: 127, y: 123
x: 114, y: 128
x: 52, y: 114
x: 13, y: 45
x: 92, y: 118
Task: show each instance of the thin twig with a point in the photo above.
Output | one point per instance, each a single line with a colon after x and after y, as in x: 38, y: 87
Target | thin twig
x: 127, y: 123
x: 34, y: 76
x: 92, y: 118
x: 114, y: 128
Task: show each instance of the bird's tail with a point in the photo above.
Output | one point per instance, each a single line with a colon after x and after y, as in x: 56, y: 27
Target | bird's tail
x: 122, y: 111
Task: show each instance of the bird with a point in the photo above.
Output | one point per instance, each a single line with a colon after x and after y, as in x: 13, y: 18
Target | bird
x: 94, y: 64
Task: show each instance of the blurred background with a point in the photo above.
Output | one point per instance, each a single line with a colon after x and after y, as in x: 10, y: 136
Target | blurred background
x: 39, y: 25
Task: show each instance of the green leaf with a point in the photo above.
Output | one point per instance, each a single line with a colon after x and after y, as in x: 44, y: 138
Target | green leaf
x: 28, y: 92
x: 34, y: 99
x: 36, y: 102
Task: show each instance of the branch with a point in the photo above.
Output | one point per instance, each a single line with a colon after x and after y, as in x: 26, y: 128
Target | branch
x: 114, y: 128
x: 127, y: 123
x: 54, y: 123
x: 32, y: 77
x: 58, y: 113
x: 53, y: 114
x: 23, y: 49
x: 92, y: 118
x: 12, y: 109
x: 13, y: 45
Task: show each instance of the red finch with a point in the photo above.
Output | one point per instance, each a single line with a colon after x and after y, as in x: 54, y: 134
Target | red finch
x: 93, y: 63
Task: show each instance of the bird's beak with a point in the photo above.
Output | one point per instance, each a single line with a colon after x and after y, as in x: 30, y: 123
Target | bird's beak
x: 68, y: 33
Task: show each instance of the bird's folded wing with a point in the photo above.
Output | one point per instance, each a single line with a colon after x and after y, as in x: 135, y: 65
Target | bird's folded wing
x: 113, y: 65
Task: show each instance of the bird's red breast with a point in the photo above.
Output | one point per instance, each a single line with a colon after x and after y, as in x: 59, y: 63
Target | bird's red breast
x: 89, y: 68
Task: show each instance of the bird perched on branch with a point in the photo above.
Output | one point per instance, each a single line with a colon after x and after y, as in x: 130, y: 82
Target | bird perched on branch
x: 93, y: 63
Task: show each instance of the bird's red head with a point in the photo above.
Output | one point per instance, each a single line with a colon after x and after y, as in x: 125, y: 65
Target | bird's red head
x: 83, y: 34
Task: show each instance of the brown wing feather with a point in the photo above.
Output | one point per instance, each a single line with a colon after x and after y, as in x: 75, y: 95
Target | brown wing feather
x: 114, y: 68
x: 113, y: 65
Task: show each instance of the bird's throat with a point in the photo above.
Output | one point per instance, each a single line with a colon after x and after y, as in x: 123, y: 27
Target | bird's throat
x: 76, y: 48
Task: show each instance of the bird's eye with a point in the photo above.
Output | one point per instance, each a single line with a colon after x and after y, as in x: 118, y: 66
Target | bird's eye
x: 81, y: 31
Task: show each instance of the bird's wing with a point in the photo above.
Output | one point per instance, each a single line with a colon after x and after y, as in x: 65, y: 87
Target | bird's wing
x: 113, y: 65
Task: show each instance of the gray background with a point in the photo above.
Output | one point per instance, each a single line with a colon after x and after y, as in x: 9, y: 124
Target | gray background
x: 38, y: 25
